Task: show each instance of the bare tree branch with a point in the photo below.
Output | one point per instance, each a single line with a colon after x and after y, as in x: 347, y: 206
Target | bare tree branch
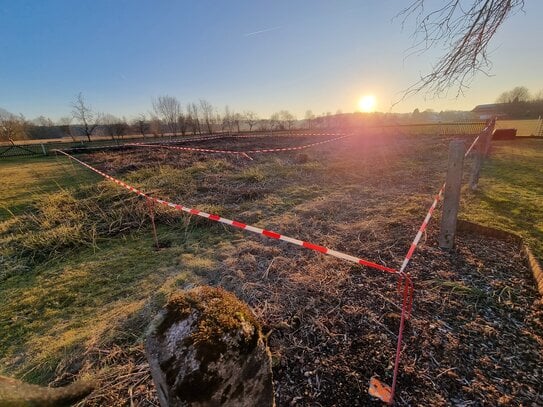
x: 464, y: 29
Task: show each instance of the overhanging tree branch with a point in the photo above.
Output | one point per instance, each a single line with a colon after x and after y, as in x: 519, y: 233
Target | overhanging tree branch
x: 464, y: 29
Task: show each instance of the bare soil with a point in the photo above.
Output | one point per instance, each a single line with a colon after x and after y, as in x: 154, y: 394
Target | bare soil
x: 476, y: 333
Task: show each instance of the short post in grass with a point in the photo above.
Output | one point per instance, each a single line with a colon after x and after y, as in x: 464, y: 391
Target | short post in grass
x: 151, y: 205
x: 451, y: 201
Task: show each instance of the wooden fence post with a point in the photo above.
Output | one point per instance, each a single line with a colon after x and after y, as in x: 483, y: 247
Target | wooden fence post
x: 476, y: 170
x: 488, y: 138
x: 451, y: 200
x: 481, y: 151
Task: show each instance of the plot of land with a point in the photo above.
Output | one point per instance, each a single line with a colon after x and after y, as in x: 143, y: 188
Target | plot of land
x: 81, y: 278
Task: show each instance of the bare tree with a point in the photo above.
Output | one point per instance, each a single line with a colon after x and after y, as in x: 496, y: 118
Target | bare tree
x: 141, y: 125
x: 85, y: 115
x: 64, y: 124
x: 168, y: 109
x: 465, y: 31
x: 156, y: 127
x: 43, y: 121
x: 207, y: 114
x: 517, y: 94
x: 309, y: 117
x: 263, y: 125
x: 193, y: 118
x: 226, y: 120
x: 275, y: 121
x: 287, y: 119
x: 251, y: 118
x: 182, y: 121
x: 236, y: 120
x: 114, y: 127
x: 13, y: 128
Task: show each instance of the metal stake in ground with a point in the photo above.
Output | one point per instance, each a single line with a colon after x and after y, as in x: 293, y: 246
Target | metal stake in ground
x: 151, y: 205
x: 451, y: 201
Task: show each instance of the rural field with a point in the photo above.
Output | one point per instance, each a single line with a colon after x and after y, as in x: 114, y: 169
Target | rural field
x: 81, y: 277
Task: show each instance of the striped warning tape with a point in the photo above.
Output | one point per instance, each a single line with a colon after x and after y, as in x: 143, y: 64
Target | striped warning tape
x: 240, y: 225
x: 432, y: 208
x: 223, y: 136
x: 473, y: 144
x: 267, y: 150
x: 422, y: 229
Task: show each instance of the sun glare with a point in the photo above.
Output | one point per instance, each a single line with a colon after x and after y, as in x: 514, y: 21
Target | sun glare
x: 367, y: 103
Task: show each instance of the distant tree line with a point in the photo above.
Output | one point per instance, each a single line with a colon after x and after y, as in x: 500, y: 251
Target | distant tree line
x: 520, y: 103
x: 167, y: 118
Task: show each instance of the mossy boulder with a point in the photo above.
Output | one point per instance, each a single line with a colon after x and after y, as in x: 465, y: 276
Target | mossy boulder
x: 205, y: 348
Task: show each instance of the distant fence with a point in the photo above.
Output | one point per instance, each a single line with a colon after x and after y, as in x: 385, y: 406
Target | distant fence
x: 531, y: 127
x: 524, y: 128
x: 46, y: 148
x: 22, y: 150
x: 458, y: 128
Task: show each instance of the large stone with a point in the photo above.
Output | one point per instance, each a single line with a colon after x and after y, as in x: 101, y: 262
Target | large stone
x: 206, y: 348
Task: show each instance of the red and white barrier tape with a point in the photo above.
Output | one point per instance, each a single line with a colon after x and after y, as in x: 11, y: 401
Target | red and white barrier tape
x: 208, y: 150
x: 239, y: 225
x: 472, y: 145
x: 421, y: 229
x: 431, y: 210
x: 226, y: 136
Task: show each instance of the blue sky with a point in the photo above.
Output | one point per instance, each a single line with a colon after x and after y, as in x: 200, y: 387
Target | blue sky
x: 261, y: 56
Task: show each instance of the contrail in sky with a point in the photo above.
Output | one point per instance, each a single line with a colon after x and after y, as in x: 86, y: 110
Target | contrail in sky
x: 262, y: 31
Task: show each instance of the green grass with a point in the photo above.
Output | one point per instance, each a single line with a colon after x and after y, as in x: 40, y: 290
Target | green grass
x: 510, y: 194
x: 67, y: 298
x: 25, y: 179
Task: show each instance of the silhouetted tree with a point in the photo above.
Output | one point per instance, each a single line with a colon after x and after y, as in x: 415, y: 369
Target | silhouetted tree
x: 13, y: 128
x: 167, y: 108
x: 141, y: 125
x: 517, y: 94
x: 287, y: 119
x: 194, y: 118
x: 275, y: 121
x: 207, y: 114
x: 85, y: 115
x: 114, y: 127
x: 251, y: 118
x: 309, y: 117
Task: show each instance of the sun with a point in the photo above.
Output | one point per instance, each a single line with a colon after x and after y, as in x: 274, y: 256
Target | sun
x: 367, y: 103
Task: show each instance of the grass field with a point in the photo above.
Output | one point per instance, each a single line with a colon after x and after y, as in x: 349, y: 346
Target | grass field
x: 81, y: 278
x: 524, y: 127
x: 510, y: 196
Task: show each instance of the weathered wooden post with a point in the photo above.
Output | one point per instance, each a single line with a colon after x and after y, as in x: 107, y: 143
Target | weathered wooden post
x: 488, y: 138
x: 451, y: 200
x: 481, y: 150
x: 481, y: 153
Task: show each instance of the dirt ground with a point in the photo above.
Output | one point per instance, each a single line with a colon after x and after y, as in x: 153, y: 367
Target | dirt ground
x: 476, y: 332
